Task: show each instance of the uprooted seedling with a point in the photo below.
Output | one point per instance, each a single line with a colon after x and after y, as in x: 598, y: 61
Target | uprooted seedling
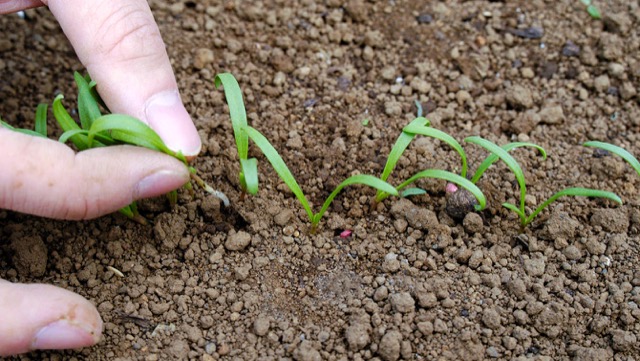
x: 100, y: 130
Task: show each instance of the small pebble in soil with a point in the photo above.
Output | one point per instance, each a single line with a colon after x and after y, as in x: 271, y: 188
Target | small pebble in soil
x: 424, y: 18
x: 492, y: 352
x: 533, y: 32
x: 237, y: 241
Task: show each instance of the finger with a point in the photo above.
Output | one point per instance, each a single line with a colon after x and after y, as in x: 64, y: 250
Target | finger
x: 39, y: 317
x: 120, y: 44
x: 46, y: 178
x: 11, y: 6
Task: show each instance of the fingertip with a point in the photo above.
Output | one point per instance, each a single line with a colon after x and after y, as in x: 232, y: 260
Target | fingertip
x: 62, y: 334
x: 166, y: 114
x: 39, y: 317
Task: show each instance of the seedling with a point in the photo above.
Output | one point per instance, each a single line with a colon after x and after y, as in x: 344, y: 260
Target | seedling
x: 285, y: 174
x: 621, y: 152
x: 98, y: 130
x: 519, y: 175
x: 248, y: 175
x: 592, y: 10
x: 421, y: 126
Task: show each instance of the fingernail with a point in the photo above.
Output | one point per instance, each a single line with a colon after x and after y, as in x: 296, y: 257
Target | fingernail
x: 63, y: 335
x: 166, y: 114
x: 159, y: 183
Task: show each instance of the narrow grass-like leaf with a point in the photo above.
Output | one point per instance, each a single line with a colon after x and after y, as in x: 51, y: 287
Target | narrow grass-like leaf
x: 126, y: 211
x: 507, y: 159
x: 514, y: 208
x: 67, y: 123
x: 20, y: 130
x: 238, y: 114
x: 249, y: 175
x: 492, y: 158
x: 94, y: 92
x: 130, y: 130
x: 450, y: 177
x: 442, y: 136
x: 412, y: 192
x: 99, y: 140
x: 621, y: 152
x: 41, y: 120
x: 593, y: 11
x: 580, y: 192
x: 131, y: 212
x: 365, y: 179
x: 403, y: 141
x: 280, y: 167
x: 7, y: 125
x: 88, y: 108
x: 70, y: 133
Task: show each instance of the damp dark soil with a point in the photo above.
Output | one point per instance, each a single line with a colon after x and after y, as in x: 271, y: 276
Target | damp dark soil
x: 331, y: 83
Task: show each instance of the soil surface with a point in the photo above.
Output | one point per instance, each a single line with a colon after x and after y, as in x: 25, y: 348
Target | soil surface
x: 331, y: 83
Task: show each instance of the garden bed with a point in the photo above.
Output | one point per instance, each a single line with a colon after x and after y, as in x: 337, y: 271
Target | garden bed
x: 331, y: 84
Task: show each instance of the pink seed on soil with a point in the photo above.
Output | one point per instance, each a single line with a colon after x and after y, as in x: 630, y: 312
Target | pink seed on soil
x: 346, y: 233
x: 451, y: 188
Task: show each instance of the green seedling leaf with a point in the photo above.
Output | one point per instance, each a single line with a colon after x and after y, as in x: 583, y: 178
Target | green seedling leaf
x: 403, y: 141
x: 593, y: 11
x: 412, y: 192
x: 173, y: 198
x: 365, y: 179
x: 41, y: 120
x: 579, y: 192
x: 621, y: 152
x: 285, y: 174
x: 67, y: 123
x: 450, y: 177
x: 507, y: 159
x: 88, y: 108
x: 442, y: 136
x: 70, y: 133
x: 129, y: 130
x: 492, y: 158
x: 19, y: 130
x: 249, y: 175
x: 99, y: 141
x: 279, y: 166
x: 365, y: 122
x: 131, y: 212
x: 238, y: 115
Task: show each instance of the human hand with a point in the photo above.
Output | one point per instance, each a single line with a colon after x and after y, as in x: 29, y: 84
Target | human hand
x: 121, y: 47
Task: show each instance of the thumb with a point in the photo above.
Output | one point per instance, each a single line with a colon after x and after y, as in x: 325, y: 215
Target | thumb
x: 46, y: 178
x: 120, y: 44
x: 39, y: 317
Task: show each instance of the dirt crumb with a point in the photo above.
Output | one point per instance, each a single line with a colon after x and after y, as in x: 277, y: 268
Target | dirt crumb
x: 30, y: 255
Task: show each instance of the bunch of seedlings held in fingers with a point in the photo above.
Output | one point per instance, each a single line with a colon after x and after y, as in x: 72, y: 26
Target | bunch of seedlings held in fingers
x: 98, y: 130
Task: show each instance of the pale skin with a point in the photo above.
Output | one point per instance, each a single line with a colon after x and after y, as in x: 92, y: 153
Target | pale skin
x: 119, y: 43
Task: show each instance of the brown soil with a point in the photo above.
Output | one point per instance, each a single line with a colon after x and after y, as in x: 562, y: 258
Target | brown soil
x: 205, y: 283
